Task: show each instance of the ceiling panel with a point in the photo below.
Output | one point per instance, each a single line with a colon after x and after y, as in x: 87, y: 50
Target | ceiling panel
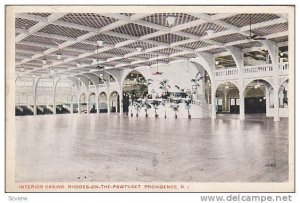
x: 230, y: 38
x: 241, y: 20
x: 24, y: 23
x: 30, y: 47
x: 79, y: 45
x: 134, y: 30
x: 216, y: 50
x: 201, y: 29
x: 168, y: 38
x: 64, y: 31
x: 42, y: 40
x: 271, y: 29
x: 196, y: 45
x: 168, y: 51
x: 144, y: 45
x: 88, y: 19
x: 161, y: 19
x: 280, y: 39
x: 41, y: 14
x: 107, y: 39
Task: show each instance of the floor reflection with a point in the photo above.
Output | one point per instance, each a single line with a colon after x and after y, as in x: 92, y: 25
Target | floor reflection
x: 114, y: 148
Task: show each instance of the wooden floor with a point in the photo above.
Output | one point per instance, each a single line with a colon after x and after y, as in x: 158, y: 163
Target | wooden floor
x: 115, y: 148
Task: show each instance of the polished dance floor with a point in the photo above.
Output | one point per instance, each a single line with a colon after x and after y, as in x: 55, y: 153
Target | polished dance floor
x: 116, y: 148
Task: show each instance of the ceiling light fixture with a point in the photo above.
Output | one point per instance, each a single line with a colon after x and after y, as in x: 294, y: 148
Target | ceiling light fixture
x: 21, y: 68
x: 139, y: 49
x: 44, y: 61
x: 217, y: 62
x: 78, y: 64
x: 171, y: 20
x: 58, y: 56
x: 100, y: 43
x: 209, y: 32
x: 157, y: 72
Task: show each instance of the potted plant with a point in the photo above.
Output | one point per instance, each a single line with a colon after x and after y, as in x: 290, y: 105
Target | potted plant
x: 164, y: 103
x: 181, y: 91
x: 155, y: 103
x: 164, y: 86
x: 188, y: 106
x: 133, y: 98
x: 175, y: 107
x: 146, y: 106
x: 137, y: 105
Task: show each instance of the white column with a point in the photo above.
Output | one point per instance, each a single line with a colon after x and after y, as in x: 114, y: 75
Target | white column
x: 88, y: 104
x: 108, y: 105
x: 97, y: 105
x: 242, y: 105
x: 34, y: 83
x: 71, y: 101
x: 121, y: 102
x: 54, y: 105
x: 267, y: 102
x: 71, y: 106
x: 79, y: 107
x: 213, y: 102
x: 276, y: 105
x: 225, y: 100
x: 34, y: 105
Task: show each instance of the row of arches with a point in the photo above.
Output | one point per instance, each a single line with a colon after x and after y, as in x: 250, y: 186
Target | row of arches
x: 97, y: 103
x: 258, y: 97
x: 117, y: 101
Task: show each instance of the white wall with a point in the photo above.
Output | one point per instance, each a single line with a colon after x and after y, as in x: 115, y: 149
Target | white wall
x: 177, y: 73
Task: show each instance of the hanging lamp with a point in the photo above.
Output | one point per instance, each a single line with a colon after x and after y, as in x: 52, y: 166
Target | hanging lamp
x: 157, y: 72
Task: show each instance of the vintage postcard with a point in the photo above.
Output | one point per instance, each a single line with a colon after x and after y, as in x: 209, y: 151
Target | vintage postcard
x: 150, y: 98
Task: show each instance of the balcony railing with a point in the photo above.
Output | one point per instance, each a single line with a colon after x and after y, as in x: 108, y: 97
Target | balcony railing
x: 283, y: 68
x: 250, y: 70
x: 228, y: 72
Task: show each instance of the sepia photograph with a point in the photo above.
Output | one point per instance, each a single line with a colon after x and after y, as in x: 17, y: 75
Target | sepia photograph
x: 150, y: 98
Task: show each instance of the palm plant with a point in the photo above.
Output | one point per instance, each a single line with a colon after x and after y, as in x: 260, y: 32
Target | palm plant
x: 142, y: 84
x: 146, y: 106
x: 155, y: 103
x: 175, y: 107
x: 164, y: 103
x: 137, y: 105
x: 181, y: 91
x: 188, y: 106
x: 133, y: 98
x: 197, y: 79
x: 163, y: 85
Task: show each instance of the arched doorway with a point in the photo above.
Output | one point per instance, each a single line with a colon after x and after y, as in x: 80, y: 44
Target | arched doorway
x: 227, y: 98
x: 44, y: 96
x: 284, y: 95
x: 63, y: 96
x: 92, y: 103
x: 134, y: 86
x: 24, y: 103
x: 82, y: 104
x: 114, y: 102
x: 256, y: 97
x: 75, y: 103
x: 102, y: 103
